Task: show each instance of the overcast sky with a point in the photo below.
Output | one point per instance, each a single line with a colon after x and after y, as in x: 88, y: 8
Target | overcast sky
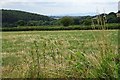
x: 62, y: 7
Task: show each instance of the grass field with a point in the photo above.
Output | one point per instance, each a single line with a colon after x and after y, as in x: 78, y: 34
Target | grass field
x: 60, y: 54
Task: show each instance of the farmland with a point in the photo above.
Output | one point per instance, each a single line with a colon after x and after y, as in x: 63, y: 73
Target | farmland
x: 60, y: 54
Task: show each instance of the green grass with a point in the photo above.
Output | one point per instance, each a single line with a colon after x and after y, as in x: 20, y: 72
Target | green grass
x: 60, y: 54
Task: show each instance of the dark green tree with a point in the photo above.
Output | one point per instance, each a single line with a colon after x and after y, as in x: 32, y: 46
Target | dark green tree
x: 66, y: 21
x: 112, y: 18
x: 76, y: 21
x: 86, y: 22
x: 21, y: 23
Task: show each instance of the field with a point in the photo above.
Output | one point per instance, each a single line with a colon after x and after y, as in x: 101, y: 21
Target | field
x: 60, y: 54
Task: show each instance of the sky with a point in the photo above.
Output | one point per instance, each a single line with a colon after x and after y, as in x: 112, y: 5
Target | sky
x: 62, y: 7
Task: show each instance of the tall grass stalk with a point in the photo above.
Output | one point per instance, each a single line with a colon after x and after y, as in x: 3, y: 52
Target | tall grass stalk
x: 105, y: 69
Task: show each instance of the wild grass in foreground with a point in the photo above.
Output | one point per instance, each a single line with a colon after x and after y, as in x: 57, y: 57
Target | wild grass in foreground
x: 60, y: 54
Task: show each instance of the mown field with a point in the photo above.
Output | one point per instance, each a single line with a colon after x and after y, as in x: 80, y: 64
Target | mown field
x: 60, y: 54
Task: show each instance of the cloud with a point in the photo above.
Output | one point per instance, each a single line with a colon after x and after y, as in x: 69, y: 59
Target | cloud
x: 58, y: 7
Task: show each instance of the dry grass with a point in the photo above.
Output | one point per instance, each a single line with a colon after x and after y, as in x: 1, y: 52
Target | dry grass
x: 80, y: 54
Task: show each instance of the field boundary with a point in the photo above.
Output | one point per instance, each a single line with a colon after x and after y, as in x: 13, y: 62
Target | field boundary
x: 54, y: 28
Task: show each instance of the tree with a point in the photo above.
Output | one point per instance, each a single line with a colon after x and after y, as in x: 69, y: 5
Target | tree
x: 119, y: 11
x: 9, y: 25
x: 86, y: 22
x: 66, y: 21
x: 21, y: 23
x: 112, y: 18
x: 77, y: 21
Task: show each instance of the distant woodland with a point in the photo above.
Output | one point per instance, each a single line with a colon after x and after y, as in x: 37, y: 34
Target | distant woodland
x: 15, y: 18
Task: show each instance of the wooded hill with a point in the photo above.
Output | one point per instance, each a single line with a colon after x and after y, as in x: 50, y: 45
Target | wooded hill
x: 14, y: 18
x: 11, y: 17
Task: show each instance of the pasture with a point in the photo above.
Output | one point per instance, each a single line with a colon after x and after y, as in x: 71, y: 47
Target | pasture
x: 60, y: 54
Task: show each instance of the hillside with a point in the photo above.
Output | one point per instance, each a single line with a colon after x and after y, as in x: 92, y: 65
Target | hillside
x: 13, y: 16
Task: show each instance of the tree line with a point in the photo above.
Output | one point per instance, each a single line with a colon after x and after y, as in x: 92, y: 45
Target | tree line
x: 14, y: 18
